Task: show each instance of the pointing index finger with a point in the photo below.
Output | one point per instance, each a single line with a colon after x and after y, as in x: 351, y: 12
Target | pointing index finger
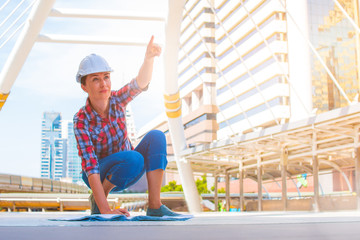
x: 151, y: 40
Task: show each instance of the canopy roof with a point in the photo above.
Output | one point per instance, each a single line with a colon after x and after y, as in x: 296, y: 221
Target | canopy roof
x: 331, y: 136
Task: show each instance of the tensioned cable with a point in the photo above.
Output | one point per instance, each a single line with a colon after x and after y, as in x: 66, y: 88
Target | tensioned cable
x: 4, y: 5
x: 17, y: 29
x: 17, y: 19
x: 201, y: 78
x: 275, y: 58
x: 213, y: 57
x: 245, y: 65
x: 318, y: 56
x: 16, y: 8
x: 347, y: 16
x: 207, y: 89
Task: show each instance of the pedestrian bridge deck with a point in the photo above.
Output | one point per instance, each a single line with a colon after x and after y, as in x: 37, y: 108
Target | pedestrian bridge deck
x: 256, y: 225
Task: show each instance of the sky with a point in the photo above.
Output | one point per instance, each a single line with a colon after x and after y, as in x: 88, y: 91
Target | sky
x: 47, y: 79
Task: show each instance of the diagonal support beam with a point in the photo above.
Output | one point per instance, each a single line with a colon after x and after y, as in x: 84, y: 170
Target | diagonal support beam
x: 171, y: 95
x: 103, y: 14
x: 24, y: 44
x: 56, y: 38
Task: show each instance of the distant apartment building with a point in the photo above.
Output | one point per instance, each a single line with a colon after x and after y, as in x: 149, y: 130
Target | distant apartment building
x: 52, y: 147
x: 238, y: 63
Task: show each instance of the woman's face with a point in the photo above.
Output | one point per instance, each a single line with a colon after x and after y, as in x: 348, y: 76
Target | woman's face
x: 98, y: 86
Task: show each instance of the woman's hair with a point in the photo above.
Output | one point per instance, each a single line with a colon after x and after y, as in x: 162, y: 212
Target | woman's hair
x: 83, y: 82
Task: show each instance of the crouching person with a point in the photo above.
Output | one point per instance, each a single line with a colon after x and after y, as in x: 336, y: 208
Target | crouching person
x: 109, y: 161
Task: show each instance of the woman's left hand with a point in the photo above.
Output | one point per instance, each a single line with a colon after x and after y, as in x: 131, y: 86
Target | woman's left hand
x: 152, y: 50
x: 119, y: 211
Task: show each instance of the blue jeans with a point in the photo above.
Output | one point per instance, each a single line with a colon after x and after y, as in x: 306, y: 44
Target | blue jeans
x: 127, y: 167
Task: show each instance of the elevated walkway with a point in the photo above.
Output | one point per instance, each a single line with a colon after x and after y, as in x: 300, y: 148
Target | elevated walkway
x: 325, y: 142
x: 79, y: 202
x: 264, y: 225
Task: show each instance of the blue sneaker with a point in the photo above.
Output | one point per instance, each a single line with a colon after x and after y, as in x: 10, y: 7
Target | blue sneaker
x: 162, y: 211
x: 94, y: 208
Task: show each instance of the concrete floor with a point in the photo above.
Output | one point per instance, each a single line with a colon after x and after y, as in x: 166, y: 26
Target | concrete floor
x: 252, y: 225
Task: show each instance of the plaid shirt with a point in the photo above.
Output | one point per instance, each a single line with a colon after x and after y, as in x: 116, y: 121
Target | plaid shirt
x: 99, y: 137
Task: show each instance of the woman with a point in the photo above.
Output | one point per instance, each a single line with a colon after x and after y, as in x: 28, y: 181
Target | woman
x: 109, y: 161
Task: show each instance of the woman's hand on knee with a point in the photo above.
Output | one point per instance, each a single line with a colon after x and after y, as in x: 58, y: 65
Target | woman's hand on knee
x: 121, y: 211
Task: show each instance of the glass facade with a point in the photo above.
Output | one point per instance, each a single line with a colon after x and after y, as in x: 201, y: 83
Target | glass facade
x: 59, y: 154
x: 334, y: 38
x: 52, y: 147
x: 73, y: 169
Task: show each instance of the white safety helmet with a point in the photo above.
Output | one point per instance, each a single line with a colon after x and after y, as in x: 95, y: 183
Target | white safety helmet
x: 92, y: 64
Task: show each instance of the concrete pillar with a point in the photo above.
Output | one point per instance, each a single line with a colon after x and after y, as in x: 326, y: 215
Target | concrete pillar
x: 241, y: 185
x: 357, y: 167
x: 259, y: 180
x: 357, y: 176
x: 216, y: 198
x: 283, y: 163
x: 299, y: 60
x: 172, y: 96
x: 316, y: 183
x: 227, y: 191
x: 315, y: 163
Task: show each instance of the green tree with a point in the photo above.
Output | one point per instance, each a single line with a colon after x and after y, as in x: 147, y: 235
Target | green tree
x: 172, y: 187
x: 220, y: 190
x: 201, y: 185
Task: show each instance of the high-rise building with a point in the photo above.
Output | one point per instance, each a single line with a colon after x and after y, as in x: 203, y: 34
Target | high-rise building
x: 197, y: 77
x: 232, y: 69
x: 59, y: 153
x: 73, y: 167
x: 248, y: 49
x: 337, y: 42
x: 252, y: 66
x: 335, y: 39
x: 247, y: 65
x: 52, y: 147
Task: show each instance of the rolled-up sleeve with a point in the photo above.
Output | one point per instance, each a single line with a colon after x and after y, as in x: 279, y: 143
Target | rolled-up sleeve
x: 89, y: 160
x: 128, y: 92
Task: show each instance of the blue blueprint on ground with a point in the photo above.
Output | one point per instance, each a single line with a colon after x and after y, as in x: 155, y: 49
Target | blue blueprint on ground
x: 114, y: 217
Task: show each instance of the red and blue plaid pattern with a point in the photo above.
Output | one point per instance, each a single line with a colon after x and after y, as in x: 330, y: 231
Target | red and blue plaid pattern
x: 99, y: 137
